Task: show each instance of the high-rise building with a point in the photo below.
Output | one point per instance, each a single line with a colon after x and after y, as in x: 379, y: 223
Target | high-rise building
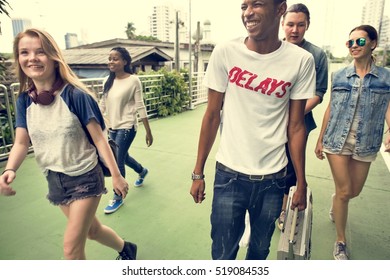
x: 162, y: 23
x: 373, y: 14
x: 384, y: 36
x: 20, y: 24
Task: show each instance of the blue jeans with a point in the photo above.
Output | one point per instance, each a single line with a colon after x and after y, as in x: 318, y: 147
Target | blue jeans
x: 123, y: 138
x: 234, y: 195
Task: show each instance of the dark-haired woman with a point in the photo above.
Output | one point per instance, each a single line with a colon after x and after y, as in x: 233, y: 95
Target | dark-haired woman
x: 121, y: 102
x: 353, y: 126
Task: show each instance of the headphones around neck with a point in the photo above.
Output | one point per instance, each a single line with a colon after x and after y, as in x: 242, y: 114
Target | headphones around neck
x: 45, y: 97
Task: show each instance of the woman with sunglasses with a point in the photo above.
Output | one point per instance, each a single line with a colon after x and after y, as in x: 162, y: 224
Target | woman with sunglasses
x: 353, y: 126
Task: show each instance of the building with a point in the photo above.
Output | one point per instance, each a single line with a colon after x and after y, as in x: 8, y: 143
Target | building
x: 373, y: 14
x: 162, y: 23
x: 20, y: 24
x: 384, y: 36
x: 90, y: 61
x: 71, y: 40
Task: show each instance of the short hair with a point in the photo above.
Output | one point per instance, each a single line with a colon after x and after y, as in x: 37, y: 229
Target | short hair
x: 277, y: 2
x: 298, y: 8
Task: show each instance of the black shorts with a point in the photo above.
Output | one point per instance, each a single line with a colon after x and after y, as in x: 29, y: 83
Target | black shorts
x: 64, y: 189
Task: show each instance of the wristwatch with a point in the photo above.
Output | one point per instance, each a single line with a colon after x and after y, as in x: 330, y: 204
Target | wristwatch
x: 197, y: 176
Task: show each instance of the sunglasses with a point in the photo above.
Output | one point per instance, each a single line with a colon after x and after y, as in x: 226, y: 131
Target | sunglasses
x: 360, y: 42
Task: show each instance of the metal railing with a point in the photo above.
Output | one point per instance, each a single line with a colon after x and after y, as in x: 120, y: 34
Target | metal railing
x: 153, y: 98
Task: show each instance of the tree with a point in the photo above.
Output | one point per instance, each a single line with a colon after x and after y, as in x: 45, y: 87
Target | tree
x: 3, y: 10
x: 3, y: 4
x: 130, y: 29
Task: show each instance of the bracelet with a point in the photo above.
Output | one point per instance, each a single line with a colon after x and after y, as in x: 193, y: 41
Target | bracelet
x: 9, y: 169
x: 197, y: 176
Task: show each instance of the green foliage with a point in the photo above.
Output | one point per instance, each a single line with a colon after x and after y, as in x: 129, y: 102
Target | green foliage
x: 146, y: 38
x: 130, y: 29
x: 130, y: 33
x: 3, y: 4
x: 172, y: 97
x: 2, y: 67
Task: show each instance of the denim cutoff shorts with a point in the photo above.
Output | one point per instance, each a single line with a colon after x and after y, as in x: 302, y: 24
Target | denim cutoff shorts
x: 349, y: 149
x: 64, y: 189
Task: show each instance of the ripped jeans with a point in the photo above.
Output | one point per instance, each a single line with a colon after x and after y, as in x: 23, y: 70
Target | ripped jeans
x: 233, y: 195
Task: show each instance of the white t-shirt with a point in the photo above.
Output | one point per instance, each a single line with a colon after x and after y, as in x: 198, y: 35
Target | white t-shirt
x: 257, y: 90
x: 59, y: 140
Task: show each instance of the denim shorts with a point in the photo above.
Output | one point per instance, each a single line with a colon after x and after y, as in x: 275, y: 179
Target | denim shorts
x: 349, y: 149
x: 64, y: 189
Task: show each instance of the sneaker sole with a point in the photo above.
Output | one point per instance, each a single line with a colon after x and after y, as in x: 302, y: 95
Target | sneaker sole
x: 112, y: 210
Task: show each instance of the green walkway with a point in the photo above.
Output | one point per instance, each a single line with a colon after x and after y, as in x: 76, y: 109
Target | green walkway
x: 162, y: 218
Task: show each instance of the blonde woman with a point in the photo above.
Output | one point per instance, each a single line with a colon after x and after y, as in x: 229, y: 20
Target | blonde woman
x: 62, y: 149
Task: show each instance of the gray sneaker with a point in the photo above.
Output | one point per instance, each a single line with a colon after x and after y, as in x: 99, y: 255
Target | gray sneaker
x: 331, y: 217
x: 340, y: 251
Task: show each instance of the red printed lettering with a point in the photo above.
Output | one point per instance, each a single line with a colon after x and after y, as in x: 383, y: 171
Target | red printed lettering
x: 263, y: 86
x: 268, y: 86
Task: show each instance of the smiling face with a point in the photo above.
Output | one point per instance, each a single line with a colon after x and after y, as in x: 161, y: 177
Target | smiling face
x: 261, y: 18
x: 295, y: 26
x: 361, y: 52
x: 115, y: 62
x: 33, y: 60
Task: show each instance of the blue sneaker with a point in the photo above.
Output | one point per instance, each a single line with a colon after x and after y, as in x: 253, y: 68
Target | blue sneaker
x: 140, y: 181
x: 113, y: 205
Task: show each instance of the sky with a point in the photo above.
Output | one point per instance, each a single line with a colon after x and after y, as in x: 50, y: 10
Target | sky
x: 331, y: 20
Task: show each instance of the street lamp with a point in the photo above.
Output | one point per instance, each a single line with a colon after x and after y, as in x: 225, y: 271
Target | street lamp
x: 190, y: 56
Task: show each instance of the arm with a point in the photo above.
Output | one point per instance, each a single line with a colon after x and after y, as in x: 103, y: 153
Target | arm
x: 18, y: 153
x: 100, y: 140
x: 387, y: 139
x: 321, y: 84
x: 141, y: 109
x: 312, y: 103
x: 296, y: 133
x: 318, y: 149
x: 149, y: 136
x: 208, y: 132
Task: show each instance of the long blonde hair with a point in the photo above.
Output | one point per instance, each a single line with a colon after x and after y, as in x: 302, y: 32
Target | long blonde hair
x: 53, y: 52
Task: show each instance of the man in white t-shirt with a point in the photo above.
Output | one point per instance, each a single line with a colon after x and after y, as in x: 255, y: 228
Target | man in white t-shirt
x: 263, y: 84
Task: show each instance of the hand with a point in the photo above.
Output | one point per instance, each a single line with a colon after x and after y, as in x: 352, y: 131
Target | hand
x: 197, y: 190
x: 387, y: 144
x: 121, y: 187
x: 299, y: 199
x: 318, y: 151
x: 6, y: 179
x: 149, y: 139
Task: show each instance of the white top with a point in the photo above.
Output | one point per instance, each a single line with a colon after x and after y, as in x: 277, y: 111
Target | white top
x: 257, y: 92
x: 122, y: 103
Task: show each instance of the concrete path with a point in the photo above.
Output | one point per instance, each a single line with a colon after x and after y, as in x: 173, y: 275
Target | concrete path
x: 161, y: 216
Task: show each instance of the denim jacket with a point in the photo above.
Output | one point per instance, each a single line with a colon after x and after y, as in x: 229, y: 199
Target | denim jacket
x: 370, y: 108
